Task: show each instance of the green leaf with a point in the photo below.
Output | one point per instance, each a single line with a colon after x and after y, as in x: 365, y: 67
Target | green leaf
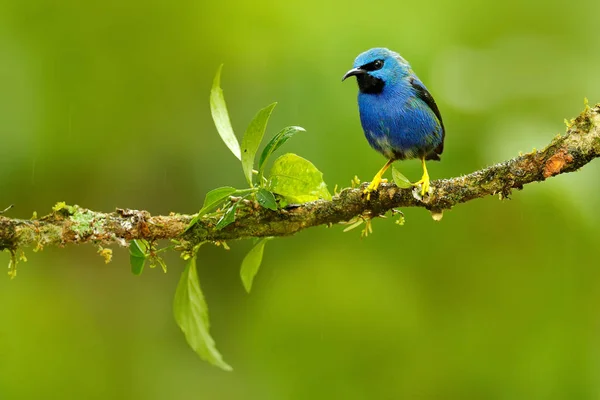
x: 266, y: 199
x: 297, y: 180
x: 215, y: 196
x: 252, y: 139
x: 252, y: 262
x: 276, y: 142
x: 137, y: 256
x: 400, y: 180
x: 220, y: 116
x: 191, y: 314
x: 212, y: 200
x: 228, y: 217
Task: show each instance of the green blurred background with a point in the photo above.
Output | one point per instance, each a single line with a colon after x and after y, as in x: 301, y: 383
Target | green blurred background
x: 105, y: 104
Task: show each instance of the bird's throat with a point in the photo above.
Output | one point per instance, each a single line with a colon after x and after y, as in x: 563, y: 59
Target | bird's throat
x: 369, y: 84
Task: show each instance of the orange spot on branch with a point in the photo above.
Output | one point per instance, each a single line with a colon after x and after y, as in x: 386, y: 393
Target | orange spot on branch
x: 557, y: 162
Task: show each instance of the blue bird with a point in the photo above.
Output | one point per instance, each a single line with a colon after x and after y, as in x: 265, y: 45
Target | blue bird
x: 397, y: 113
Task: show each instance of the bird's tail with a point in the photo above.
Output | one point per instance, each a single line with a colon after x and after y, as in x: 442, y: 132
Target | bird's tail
x: 436, y: 153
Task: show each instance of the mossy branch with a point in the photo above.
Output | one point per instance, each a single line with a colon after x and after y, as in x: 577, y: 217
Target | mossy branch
x: 76, y: 225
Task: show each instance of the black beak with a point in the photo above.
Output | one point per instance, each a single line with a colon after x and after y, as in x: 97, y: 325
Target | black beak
x: 354, y: 72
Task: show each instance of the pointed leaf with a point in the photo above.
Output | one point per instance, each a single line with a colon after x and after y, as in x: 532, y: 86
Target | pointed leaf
x: 266, y: 199
x: 252, y: 139
x: 211, y: 201
x: 191, y: 313
x: 276, y: 142
x: 220, y: 116
x: 215, y: 196
x: 252, y: 262
x: 400, y: 180
x: 297, y: 180
x: 228, y: 217
x: 137, y: 256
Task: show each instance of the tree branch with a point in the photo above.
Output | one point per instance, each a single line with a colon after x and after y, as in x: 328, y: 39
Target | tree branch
x: 75, y: 225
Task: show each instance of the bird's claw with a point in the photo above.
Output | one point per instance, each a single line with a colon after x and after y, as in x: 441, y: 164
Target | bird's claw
x: 424, y: 182
x: 425, y: 188
x: 370, y: 189
x: 377, y: 179
x: 373, y: 187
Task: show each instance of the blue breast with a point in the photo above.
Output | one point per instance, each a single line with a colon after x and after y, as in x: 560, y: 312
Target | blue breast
x: 398, y: 124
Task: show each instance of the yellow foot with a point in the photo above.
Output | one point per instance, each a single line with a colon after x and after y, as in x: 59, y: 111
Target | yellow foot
x: 424, y: 186
x: 424, y: 182
x: 372, y: 187
x: 376, y: 180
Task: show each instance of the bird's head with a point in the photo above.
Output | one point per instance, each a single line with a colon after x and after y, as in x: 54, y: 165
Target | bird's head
x: 376, y: 68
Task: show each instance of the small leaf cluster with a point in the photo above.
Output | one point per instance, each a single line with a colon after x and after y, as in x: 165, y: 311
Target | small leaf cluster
x: 290, y: 180
x: 142, y: 251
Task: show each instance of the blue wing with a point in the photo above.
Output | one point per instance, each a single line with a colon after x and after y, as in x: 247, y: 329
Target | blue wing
x: 424, y: 95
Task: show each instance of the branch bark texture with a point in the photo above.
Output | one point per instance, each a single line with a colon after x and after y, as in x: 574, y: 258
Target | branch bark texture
x: 75, y: 225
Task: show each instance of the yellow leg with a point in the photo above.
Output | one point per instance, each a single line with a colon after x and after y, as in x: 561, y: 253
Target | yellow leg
x: 424, y: 182
x: 377, y: 180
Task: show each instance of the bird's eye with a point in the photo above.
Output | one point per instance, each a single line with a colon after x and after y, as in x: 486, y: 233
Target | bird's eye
x: 373, y: 65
